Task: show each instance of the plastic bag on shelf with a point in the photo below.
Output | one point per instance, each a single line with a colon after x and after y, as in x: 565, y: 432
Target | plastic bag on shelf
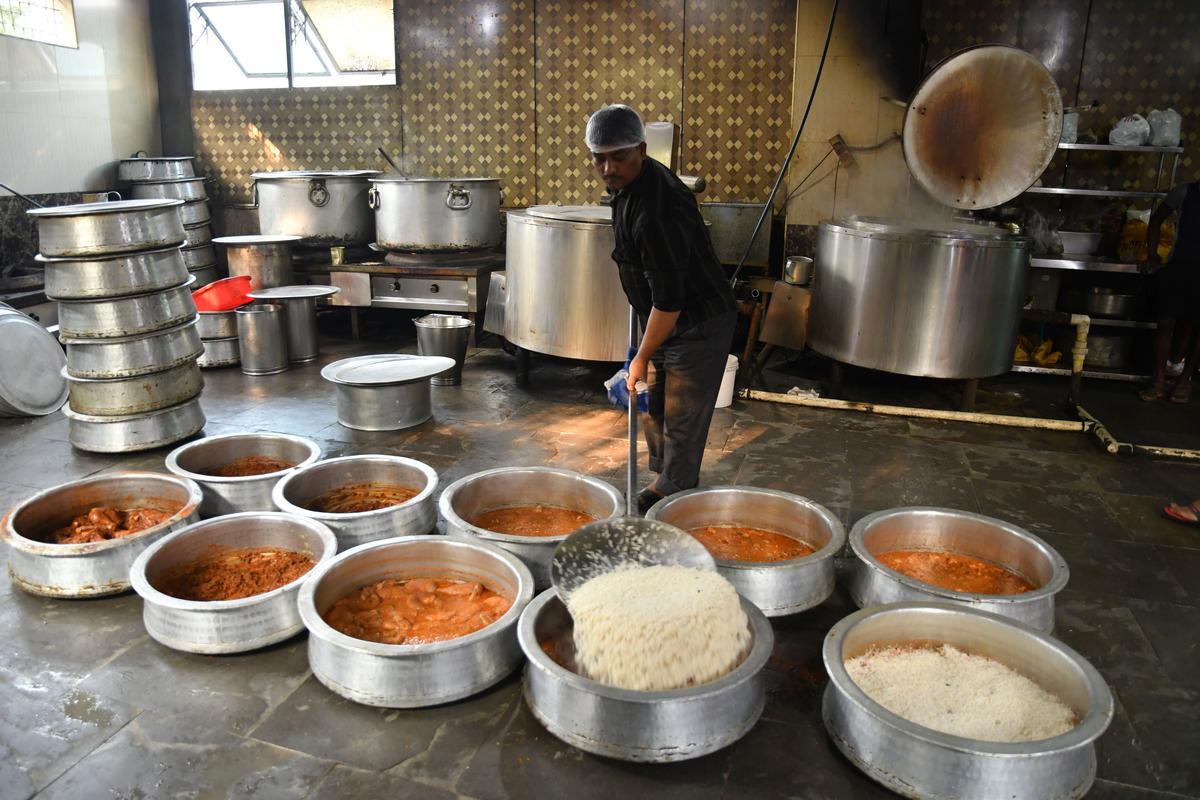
x: 1044, y: 233
x: 1165, y: 127
x: 1131, y: 131
x: 1070, y: 128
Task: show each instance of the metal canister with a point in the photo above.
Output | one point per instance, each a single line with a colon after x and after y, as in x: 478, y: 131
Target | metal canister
x: 261, y: 339
x: 444, y: 335
x: 267, y: 260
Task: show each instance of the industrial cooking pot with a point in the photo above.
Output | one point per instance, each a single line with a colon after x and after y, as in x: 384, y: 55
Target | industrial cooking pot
x: 140, y: 167
x: 564, y: 295
x: 933, y: 303
x: 419, y: 214
x: 324, y: 207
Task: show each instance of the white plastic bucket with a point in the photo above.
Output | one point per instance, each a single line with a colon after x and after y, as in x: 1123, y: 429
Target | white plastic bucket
x: 725, y: 393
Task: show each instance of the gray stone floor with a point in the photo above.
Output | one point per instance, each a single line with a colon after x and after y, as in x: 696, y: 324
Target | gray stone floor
x: 94, y: 709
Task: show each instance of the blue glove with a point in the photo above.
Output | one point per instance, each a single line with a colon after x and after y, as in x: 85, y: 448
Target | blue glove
x: 618, y: 391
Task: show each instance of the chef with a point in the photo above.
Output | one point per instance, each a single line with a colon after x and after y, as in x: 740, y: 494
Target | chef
x: 675, y: 283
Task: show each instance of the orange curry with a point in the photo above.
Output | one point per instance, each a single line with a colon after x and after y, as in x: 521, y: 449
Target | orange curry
x: 233, y: 574
x: 361, y: 497
x: 955, y: 572
x: 252, y: 465
x: 536, y: 520
x: 416, y: 610
x: 734, y: 543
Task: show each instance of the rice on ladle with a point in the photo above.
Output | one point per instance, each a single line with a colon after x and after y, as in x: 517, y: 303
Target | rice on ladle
x: 657, y: 628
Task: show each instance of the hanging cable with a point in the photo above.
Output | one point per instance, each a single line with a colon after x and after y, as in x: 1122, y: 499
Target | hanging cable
x: 803, y: 180
x: 791, y: 152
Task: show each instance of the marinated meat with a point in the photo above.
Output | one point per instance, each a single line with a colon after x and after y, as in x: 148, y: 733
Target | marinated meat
x: 252, y: 465
x: 102, y: 523
x: 361, y: 497
x: 535, y: 520
x: 416, y: 611
x: 734, y: 543
x: 233, y: 574
x: 955, y: 572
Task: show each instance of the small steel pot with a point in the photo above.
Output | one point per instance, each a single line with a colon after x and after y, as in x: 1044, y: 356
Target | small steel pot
x: 111, y: 318
x: 296, y: 490
x: 777, y: 587
x: 197, y: 235
x: 262, y: 341
x: 916, y: 761
x: 798, y: 270
x: 649, y: 727
x: 266, y: 260
x: 200, y: 256
x: 133, y: 432
x: 385, y: 392
x: 217, y: 324
x: 227, y: 626
x: 1098, y: 302
x: 186, y: 189
x: 91, y: 569
x: 414, y: 676
x: 492, y: 489
x: 423, y: 214
x: 133, y: 355
x: 195, y: 212
x: 116, y: 397
x: 204, y: 276
x: 197, y: 460
x: 154, y: 168
x: 324, y: 207
x: 993, y: 540
x: 97, y: 229
x: 220, y: 353
x: 113, y: 276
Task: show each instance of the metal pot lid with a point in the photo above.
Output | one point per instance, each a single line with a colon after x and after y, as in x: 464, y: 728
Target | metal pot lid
x: 593, y: 214
x: 302, y: 174
x: 385, y: 369
x: 139, y: 159
x: 111, y: 207
x: 982, y: 126
x: 184, y: 179
x: 261, y: 238
x: 31, y: 365
x: 412, y: 179
x: 954, y: 229
x: 292, y: 292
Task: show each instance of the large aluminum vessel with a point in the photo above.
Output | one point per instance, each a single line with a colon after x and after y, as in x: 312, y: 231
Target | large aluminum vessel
x: 564, y: 294
x: 934, y: 303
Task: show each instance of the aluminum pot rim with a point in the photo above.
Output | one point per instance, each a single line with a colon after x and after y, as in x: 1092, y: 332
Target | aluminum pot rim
x: 71, y: 413
x: 138, y: 159
x: 304, y: 174
x: 118, y: 340
x: 1060, y: 572
x: 1090, y: 728
x: 172, y: 460
x: 283, y: 504
x: 427, y: 179
x: 177, y: 179
x: 144, y: 589
x: 751, y: 665
x: 837, y: 538
x: 450, y: 515
x: 108, y: 207
x: 130, y: 297
x: 34, y: 547
x: 887, y: 229
x: 321, y: 629
x: 106, y: 256
x: 181, y: 367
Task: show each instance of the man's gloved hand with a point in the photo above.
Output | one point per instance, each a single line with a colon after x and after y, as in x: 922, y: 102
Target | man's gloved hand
x: 618, y: 388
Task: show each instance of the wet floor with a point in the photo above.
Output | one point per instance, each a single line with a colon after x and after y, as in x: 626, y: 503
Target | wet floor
x: 92, y: 708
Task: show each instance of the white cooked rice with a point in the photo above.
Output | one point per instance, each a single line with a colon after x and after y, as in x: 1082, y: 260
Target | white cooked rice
x: 657, y: 628
x: 954, y: 692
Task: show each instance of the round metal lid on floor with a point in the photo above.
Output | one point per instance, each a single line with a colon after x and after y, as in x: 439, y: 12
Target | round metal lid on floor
x: 31, y: 364
x: 385, y: 369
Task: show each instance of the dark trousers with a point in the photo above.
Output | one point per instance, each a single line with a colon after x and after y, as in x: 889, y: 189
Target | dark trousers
x: 684, y: 377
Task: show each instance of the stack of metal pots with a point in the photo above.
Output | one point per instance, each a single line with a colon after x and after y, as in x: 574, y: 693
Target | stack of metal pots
x: 127, y: 321
x: 174, y: 178
x: 219, y: 336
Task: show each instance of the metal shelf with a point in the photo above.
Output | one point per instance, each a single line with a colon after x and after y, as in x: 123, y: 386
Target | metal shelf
x: 1087, y: 373
x: 1118, y: 148
x: 1082, y: 263
x: 1095, y: 193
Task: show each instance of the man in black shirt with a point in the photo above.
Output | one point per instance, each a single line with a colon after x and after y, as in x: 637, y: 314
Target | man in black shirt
x: 675, y: 283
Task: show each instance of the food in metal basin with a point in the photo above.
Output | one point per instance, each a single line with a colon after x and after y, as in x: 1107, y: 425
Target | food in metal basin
x: 233, y: 574
x: 361, y: 497
x: 736, y: 543
x: 252, y: 465
x: 535, y: 520
x: 956, y: 572
x: 656, y: 628
x: 961, y: 694
x: 416, y: 610
x: 102, y: 523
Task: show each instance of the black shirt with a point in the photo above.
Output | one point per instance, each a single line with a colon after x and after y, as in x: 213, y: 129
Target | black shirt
x: 664, y: 253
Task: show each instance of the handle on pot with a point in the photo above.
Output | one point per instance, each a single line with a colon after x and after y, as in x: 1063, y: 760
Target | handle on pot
x: 112, y: 193
x: 373, y: 198
x: 458, y: 197
x: 318, y: 195
x: 140, y: 154
x: 254, y: 193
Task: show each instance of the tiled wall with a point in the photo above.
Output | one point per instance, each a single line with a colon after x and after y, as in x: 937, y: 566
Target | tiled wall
x: 504, y: 88
x: 67, y: 114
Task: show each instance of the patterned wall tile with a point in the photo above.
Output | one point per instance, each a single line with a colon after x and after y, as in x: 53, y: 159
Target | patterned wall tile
x: 591, y: 53
x: 466, y: 75
x: 737, y: 94
x: 239, y: 133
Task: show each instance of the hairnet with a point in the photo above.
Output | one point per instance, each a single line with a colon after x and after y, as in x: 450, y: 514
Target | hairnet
x: 613, y: 128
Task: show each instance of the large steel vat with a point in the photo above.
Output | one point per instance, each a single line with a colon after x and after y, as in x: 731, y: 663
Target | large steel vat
x: 933, y: 303
x: 564, y: 294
